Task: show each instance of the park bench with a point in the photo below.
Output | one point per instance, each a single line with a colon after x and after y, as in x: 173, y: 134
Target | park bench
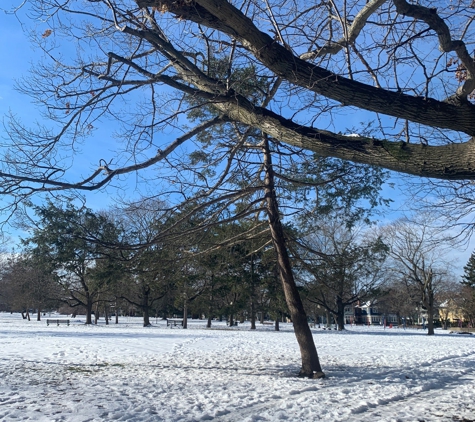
x: 173, y: 322
x: 57, y: 321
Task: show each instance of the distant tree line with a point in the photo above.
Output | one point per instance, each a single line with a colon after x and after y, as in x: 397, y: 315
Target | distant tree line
x: 143, y: 259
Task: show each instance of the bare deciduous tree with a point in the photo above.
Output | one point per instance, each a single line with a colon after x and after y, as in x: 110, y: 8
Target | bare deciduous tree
x: 418, y: 253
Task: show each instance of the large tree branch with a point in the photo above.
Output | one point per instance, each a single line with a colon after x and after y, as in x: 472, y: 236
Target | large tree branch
x: 352, y: 32
x: 48, y: 185
x: 437, y: 24
x: 450, y: 162
x: 221, y: 15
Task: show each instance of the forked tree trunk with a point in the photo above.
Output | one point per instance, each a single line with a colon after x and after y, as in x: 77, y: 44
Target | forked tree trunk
x: 310, y: 362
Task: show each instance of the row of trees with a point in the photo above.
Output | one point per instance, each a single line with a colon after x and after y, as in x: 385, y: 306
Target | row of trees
x: 132, y: 258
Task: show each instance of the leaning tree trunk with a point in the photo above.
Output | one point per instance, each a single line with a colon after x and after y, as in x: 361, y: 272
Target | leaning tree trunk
x: 310, y: 362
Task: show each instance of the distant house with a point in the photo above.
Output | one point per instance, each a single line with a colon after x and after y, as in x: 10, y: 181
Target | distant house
x: 450, y: 314
x: 368, y: 314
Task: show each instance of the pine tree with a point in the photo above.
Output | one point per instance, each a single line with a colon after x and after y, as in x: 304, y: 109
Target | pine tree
x: 468, y: 278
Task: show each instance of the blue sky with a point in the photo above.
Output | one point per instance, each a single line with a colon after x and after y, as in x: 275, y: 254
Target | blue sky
x: 18, y: 56
x: 16, y: 53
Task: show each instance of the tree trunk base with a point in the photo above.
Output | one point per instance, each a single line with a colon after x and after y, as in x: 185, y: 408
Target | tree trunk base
x: 313, y: 375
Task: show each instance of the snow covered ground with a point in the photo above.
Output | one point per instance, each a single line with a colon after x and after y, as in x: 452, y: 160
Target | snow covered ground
x: 126, y: 372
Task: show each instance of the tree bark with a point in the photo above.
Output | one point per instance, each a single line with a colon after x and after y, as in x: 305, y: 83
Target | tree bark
x: 185, y: 313
x: 430, y: 314
x: 227, y: 18
x: 253, y: 315
x: 428, y: 296
x: 210, y: 312
x: 328, y: 317
x: 88, y: 308
x: 340, y: 318
x: 145, y: 306
x: 253, y: 306
x: 310, y: 362
x: 96, y: 313
x: 210, y: 303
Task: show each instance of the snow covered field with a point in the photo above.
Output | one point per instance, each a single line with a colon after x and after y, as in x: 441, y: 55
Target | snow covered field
x: 129, y: 373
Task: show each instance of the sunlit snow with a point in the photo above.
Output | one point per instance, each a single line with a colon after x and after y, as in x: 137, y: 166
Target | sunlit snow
x: 126, y: 372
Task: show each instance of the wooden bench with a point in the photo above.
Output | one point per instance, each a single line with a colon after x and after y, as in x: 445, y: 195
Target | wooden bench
x: 173, y: 322
x: 57, y: 321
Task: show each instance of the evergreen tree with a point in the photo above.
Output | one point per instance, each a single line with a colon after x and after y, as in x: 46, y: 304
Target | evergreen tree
x: 70, y: 239
x: 468, y: 277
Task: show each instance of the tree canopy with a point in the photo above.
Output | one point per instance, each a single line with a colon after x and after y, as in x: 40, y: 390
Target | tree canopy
x: 291, y: 70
